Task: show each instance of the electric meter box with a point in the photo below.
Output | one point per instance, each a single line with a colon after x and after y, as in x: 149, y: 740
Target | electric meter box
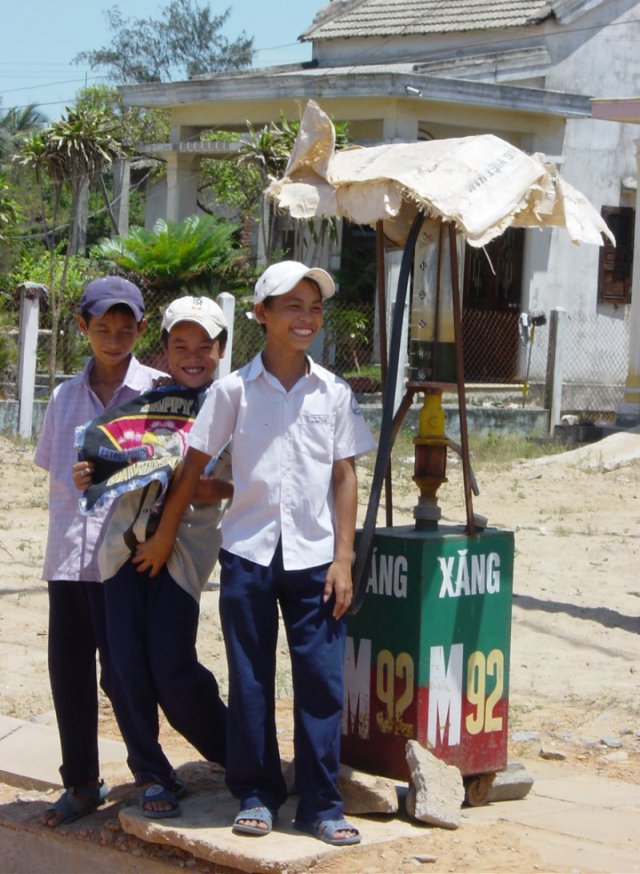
x: 427, y: 654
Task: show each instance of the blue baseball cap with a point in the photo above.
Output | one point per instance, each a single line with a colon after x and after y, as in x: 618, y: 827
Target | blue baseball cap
x: 104, y: 293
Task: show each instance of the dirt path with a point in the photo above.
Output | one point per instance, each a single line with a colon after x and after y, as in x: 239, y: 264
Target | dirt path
x: 575, y: 653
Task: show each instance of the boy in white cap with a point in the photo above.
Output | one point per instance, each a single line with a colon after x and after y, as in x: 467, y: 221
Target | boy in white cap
x: 287, y: 542
x: 152, y: 625
x: 111, y: 317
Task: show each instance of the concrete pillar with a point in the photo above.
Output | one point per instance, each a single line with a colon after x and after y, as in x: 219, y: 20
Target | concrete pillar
x: 30, y: 294
x: 399, y: 126
x: 227, y: 304
x: 628, y: 413
x: 555, y: 366
x: 121, y: 183
x: 182, y: 186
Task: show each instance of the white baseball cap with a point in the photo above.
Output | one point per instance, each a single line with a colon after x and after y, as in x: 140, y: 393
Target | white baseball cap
x: 285, y: 275
x: 201, y: 310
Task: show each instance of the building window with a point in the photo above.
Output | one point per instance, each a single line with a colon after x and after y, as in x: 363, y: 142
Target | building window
x: 616, y: 262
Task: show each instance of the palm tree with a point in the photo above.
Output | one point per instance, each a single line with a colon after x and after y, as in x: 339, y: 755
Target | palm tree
x: 71, y: 152
x: 269, y: 150
x: 14, y: 124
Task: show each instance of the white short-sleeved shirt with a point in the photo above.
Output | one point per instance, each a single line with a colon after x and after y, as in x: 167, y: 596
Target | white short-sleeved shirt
x: 283, y: 450
x: 72, y: 539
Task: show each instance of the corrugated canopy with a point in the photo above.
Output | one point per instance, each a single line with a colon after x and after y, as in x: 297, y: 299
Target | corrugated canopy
x: 481, y: 183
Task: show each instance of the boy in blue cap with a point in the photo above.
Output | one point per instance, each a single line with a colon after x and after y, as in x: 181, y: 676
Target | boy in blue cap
x: 287, y: 543
x: 111, y: 318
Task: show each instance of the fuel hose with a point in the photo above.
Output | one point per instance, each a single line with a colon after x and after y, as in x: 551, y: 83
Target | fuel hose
x: 364, y: 548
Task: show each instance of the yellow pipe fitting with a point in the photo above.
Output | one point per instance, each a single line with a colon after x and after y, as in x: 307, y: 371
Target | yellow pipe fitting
x: 431, y: 416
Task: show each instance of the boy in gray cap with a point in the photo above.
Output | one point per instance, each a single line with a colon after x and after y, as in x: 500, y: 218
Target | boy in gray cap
x: 111, y: 318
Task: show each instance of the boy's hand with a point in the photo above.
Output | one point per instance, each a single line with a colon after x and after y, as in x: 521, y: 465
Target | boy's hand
x: 340, y: 583
x: 82, y: 472
x: 151, y: 555
x: 209, y: 490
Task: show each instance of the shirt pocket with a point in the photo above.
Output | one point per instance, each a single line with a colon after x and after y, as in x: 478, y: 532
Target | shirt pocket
x: 315, y: 434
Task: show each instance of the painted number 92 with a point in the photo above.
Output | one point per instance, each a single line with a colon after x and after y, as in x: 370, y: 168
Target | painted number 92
x: 394, y: 688
x: 479, y: 668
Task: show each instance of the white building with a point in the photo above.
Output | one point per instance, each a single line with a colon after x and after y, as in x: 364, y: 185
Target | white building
x: 525, y: 70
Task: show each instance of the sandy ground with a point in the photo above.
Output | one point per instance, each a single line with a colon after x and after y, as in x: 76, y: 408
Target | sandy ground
x: 575, y: 651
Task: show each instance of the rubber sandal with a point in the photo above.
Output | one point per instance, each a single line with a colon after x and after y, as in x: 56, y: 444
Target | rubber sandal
x: 261, y: 814
x: 325, y: 830
x: 178, y: 788
x: 75, y: 803
x: 158, y: 792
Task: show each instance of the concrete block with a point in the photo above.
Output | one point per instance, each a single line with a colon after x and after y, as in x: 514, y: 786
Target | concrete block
x: 366, y: 793
x: 437, y: 789
x: 512, y: 784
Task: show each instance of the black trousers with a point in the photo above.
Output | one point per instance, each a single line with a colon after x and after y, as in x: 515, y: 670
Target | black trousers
x: 152, y: 626
x: 77, y: 631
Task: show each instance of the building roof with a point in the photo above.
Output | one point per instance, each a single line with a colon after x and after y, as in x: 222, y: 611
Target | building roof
x: 355, y: 82
x: 341, y: 19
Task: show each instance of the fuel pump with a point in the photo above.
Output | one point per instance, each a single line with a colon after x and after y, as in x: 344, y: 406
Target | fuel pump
x: 428, y: 636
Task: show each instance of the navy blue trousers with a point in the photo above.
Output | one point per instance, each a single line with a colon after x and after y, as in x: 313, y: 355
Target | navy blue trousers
x: 77, y: 630
x: 152, y: 625
x: 249, y: 599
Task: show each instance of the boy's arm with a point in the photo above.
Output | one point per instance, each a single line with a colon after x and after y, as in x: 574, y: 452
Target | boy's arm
x: 209, y: 490
x: 153, y: 553
x: 345, y: 498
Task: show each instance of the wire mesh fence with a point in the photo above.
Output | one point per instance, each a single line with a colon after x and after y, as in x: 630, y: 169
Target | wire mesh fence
x: 491, y: 344
x: 595, y: 356
x: 595, y: 364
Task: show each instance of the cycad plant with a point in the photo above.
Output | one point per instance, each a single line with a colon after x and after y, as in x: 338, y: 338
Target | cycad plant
x: 175, y: 255
x: 196, y: 255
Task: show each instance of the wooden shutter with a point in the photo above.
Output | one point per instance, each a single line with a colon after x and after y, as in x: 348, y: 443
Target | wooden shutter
x: 616, y: 262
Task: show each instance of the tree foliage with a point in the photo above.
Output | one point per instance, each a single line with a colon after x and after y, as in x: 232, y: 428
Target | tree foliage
x: 262, y: 155
x: 184, y: 42
x: 131, y: 124
x: 70, y: 152
x: 9, y: 209
x: 34, y: 267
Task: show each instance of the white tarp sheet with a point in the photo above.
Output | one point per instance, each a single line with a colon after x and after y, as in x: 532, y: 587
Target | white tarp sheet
x: 481, y: 183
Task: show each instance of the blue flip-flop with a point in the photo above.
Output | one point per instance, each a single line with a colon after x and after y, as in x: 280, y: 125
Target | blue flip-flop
x: 76, y: 803
x: 158, y: 792
x: 259, y: 814
x: 325, y: 830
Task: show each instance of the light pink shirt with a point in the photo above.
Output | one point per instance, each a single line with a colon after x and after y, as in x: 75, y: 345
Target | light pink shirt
x: 283, y: 450
x: 72, y: 539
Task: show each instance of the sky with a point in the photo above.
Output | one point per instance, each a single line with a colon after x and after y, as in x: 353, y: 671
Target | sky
x: 40, y: 39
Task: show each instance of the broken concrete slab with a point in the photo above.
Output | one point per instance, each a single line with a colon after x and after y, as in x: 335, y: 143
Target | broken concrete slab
x: 436, y: 792
x: 366, y: 793
x: 204, y: 830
